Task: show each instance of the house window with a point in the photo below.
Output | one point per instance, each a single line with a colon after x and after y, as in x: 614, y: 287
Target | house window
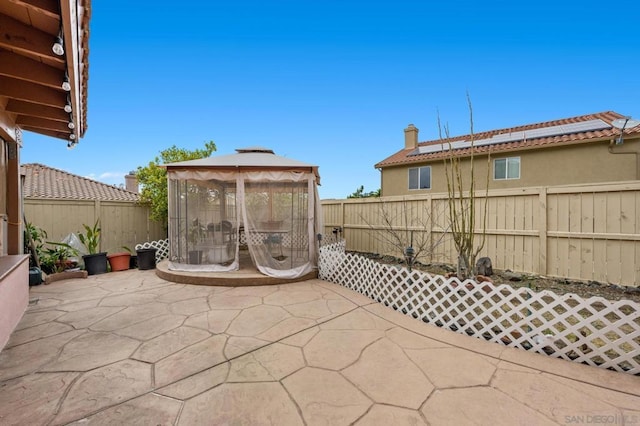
x: 420, y: 178
x: 506, y: 168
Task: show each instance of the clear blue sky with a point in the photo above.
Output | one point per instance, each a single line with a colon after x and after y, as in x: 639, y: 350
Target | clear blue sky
x: 334, y: 83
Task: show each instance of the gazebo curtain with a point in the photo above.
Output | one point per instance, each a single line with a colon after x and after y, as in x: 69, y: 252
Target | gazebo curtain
x: 275, y: 213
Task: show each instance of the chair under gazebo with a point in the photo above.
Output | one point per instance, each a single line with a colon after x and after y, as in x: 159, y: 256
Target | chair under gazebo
x: 254, y: 200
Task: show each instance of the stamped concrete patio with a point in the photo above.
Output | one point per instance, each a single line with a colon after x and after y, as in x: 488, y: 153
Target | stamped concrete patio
x: 131, y: 348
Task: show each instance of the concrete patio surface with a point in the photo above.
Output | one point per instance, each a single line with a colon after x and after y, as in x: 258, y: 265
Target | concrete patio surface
x: 130, y: 348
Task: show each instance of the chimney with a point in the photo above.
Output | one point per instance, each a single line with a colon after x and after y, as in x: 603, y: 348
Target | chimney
x: 411, y: 137
x: 131, y: 182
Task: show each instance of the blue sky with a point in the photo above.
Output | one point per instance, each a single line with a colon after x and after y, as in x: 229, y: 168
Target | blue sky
x: 334, y: 83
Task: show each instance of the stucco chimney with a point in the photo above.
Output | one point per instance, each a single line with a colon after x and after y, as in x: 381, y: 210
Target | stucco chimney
x: 131, y: 182
x: 411, y: 137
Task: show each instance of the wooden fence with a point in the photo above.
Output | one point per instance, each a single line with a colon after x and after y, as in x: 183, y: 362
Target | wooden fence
x: 585, y: 232
x: 123, y: 223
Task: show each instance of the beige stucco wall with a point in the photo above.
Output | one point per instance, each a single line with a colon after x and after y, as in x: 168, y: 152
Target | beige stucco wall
x: 569, y: 165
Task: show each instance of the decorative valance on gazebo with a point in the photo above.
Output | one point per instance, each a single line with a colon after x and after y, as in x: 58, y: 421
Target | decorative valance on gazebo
x: 254, y: 197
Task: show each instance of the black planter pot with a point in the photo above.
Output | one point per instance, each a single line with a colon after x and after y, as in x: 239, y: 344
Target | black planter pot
x: 146, y: 258
x: 95, y: 264
x: 35, y: 276
x: 133, y: 262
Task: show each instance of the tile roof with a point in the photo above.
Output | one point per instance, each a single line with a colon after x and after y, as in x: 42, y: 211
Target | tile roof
x: 403, y: 157
x: 46, y: 182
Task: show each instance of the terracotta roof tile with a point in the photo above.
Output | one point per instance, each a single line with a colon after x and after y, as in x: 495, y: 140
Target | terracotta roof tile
x: 403, y: 157
x: 46, y: 182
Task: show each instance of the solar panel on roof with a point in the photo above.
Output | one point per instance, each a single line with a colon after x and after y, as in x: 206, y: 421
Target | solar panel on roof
x: 428, y: 149
x: 460, y: 144
x: 542, y: 132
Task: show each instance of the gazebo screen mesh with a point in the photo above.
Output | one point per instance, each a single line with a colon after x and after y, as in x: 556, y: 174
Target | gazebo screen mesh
x: 210, y: 218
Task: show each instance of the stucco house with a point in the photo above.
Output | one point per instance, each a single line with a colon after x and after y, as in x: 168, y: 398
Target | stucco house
x: 44, y: 71
x: 575, y: 150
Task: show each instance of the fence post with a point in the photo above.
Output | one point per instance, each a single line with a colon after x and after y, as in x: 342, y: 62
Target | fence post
x: 344, y: 230
x: 430, y: 230
x: 96, y: 217
x: 542, y: 232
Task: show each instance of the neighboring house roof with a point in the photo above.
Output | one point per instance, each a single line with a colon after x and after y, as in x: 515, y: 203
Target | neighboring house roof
x: 577, y: 130
x: 46, y: 182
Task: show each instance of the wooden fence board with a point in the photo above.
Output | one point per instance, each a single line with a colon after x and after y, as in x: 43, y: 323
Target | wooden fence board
x: 612, y: 218
x: 613, y: 260
x: 628, y: 214
x: 586, y: 213
x: 627, y: 261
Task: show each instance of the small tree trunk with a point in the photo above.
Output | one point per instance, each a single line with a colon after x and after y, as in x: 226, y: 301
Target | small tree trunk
x: 463, y: 267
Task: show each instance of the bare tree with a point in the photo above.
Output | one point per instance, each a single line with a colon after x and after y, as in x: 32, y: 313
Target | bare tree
x: 405, y: 231
x: 462, y: 202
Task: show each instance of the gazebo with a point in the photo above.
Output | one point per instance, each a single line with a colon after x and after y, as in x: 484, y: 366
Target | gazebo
x: 255, y: 198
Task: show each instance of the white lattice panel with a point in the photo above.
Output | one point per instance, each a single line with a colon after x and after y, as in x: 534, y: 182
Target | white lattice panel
x: 593, y: 331
x: 287, y: 240
x: 161, y: 246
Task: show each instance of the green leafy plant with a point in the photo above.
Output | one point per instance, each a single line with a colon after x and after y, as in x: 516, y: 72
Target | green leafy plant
x: 91, y: 237
x: 359, y: 193
x: 57, y: 258
x: 34, y: 242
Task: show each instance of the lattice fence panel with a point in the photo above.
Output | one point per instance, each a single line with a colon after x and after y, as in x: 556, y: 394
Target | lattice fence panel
x: 288, y: 240
x: 161, y: 246
x: 593, y: 331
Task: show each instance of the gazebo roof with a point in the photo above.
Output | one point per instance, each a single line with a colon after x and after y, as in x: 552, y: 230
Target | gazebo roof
x: 252, y: 158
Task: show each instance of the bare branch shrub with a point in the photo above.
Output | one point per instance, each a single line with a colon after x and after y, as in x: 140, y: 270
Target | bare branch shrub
x: 400, y: 227
x: 462, y: 202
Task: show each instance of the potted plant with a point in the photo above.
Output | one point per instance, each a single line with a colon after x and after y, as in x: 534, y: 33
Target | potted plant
x: 146, y: 258
x: 57, y: 259
x: 94, y: 262
x: 133, y: 259
x: 58, y: 263
x: 120, y: 261
x: 34, y: 245
x: 196, y: 233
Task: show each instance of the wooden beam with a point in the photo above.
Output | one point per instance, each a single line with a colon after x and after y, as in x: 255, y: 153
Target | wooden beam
x: 35, y: 110
x: 46, y: 7
x: 46, y: 132
x: 72, y: 33
x: 14, y: 200
x: 42, y: 123
x: 7, y: 126
x: 31, y: 92
x: 23, y: 68
x: 14, y: 35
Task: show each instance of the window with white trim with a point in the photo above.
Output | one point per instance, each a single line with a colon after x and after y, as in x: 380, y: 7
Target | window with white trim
x: 506, y: 168
x: 420, y: 177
